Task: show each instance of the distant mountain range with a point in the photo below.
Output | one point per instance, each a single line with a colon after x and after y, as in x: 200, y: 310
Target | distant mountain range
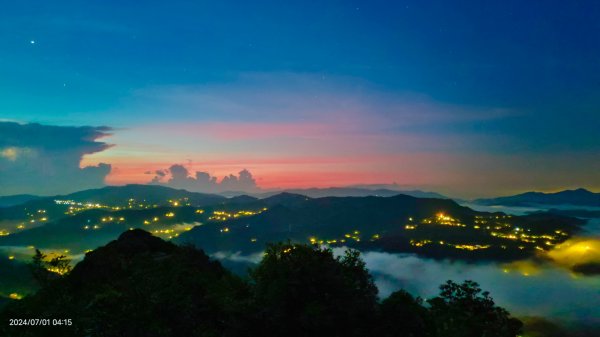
x: 157, y: 194
x: 354, y: 192
x: 11, y: 200
x: 119, y: 195
x: 578, y: 197
x: 401, y: 223
x: 153, y: 194
x: 17, y: 207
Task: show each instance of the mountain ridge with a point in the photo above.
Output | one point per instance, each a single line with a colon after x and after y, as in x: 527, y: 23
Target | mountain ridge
x: 578, y: 197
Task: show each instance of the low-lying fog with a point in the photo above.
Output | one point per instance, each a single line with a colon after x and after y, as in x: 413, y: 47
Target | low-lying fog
x: 538, y: 287
x: 525, y: 288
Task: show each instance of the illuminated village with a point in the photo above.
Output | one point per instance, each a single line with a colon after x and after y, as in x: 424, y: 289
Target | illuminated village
x: 494, y: 226
x: 173, y: 217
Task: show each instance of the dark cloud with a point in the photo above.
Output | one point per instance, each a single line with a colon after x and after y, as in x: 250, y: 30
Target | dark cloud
x: 44, y: 159
x: 180, y: 177
x: 158, y: 175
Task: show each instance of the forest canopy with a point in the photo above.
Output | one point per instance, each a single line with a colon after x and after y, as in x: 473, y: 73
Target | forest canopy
x: 140, y: 285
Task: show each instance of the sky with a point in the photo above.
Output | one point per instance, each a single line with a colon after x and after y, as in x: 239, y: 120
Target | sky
x: 464, y: 98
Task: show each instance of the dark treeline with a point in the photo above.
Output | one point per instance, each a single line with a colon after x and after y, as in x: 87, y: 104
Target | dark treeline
x: 140, y: 285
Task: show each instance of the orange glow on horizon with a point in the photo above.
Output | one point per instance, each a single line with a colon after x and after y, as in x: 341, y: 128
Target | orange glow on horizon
x: 274, y: 180
x: 280, y: 172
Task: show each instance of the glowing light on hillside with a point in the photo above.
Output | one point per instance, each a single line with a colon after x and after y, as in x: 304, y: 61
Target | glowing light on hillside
x: 15, y: 296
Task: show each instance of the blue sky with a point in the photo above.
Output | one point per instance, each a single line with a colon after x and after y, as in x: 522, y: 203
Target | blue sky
x: 489, y: 82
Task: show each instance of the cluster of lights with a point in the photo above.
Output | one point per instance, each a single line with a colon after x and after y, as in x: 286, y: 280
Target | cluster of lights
x: 15, y: 296
x: 419, y: 243
x: 86, y: 227
x: 223, y: 216
x: 75, y: 207
x: 58, y: 271
x: 471, y: 247
x: 168, y: 233
x: 496, y: 226
x: 132, y: 203
x: 445, y: 220
x: 354, y: 236
x: 111, y: 219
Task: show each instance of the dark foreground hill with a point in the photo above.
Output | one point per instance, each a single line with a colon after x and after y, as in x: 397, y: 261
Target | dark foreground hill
x: 140, y: 285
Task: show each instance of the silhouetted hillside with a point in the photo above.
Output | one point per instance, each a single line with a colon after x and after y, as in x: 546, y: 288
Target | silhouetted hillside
x: 12, y: 200
x: 15, y: 278
x: 580, y: 197
x: 242, y: 199
x: 579, y: 213
x: 297, y: 217
x: 354, y: 192
x: 138, y: 285
x: 285, y: 199
x: 95, y: 227
x: 25, y: 210
x: 128, y: 196
x: 429, y: 227
x: 148, y: 194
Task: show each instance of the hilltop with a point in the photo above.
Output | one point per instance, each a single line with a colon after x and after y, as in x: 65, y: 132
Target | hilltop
x: 136, y: 285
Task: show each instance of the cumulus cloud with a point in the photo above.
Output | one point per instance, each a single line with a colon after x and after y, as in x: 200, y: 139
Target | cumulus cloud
x: 45, y: 160
x: 178, y: 176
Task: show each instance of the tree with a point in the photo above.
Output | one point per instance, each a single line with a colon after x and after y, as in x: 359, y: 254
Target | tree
x: 463, y: 310
x: 44, y: 270
x: 403, y: 315
x: 59, y: 265
x: 301, y: 290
